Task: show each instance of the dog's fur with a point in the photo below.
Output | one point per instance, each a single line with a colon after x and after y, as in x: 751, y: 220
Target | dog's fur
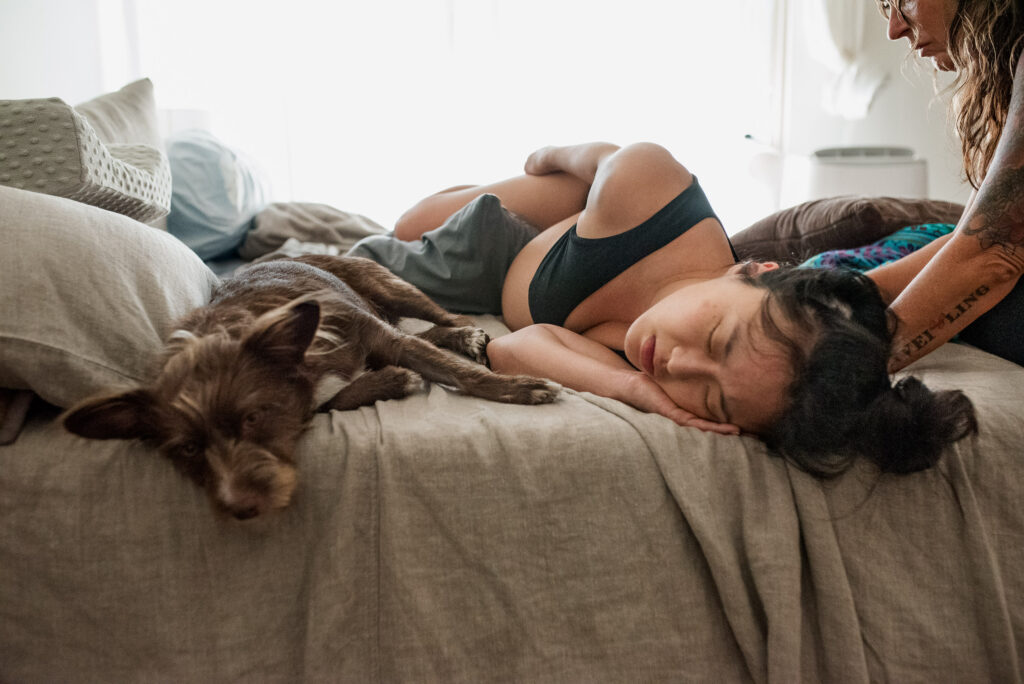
x: 242, y: 376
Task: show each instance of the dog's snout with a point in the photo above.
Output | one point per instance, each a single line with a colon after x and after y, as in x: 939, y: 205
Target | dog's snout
x: 246, y: 513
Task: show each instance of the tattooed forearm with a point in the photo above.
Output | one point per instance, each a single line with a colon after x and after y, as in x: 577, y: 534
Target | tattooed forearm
x: 963, y: 307
x: 998, y: 218
x: 908, y: 348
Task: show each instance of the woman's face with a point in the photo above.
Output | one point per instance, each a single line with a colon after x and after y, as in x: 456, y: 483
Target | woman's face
x: 705, y: 347
x: 925, y: 24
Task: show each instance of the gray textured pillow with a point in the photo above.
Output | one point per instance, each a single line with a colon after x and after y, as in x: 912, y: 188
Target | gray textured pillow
x: 106, y: 153
x: 799, y: 232
x: 86, y: 296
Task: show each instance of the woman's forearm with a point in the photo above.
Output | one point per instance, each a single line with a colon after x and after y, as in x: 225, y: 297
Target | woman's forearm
x: 562, y: 356
x: 963, y: 281
x: 893, y: 278
x: 587, y: 366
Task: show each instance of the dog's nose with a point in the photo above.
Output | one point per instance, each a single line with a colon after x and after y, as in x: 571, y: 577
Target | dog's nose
x: 246, y: 513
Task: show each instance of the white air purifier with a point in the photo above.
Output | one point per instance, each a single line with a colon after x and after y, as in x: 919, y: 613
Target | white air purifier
x: 888, y: 171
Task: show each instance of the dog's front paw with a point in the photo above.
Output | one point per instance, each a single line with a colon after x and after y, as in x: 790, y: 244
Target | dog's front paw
x: 467, y: 340
x: 525, y: 389
x: 476, y: 341
x: 389, y: 382
x: 395, y: 382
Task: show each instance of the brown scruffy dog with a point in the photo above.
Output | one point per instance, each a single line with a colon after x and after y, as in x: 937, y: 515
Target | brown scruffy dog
x: 243, y: 375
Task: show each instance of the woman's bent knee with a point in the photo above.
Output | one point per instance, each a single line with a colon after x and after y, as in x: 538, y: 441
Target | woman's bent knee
x: 431, y: 212
x: 646, y: 156
x: 411, y: 225
x: 499, y: 353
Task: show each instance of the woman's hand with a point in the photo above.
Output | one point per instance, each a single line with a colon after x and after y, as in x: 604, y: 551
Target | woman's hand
x: 645, y: 394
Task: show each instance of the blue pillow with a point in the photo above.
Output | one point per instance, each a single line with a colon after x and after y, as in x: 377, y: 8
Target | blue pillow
x: 215, y: 193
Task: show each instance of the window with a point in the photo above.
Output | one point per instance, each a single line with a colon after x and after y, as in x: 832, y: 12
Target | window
x: 369, y: 106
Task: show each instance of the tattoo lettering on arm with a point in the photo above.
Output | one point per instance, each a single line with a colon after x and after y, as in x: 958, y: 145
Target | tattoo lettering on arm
x: 908, y: 349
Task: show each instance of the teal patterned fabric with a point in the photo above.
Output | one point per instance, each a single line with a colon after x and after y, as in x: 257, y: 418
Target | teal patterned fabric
x: 890, y: 248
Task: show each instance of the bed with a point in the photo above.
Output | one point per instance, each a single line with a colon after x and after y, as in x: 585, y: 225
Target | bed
x: 447, y: 538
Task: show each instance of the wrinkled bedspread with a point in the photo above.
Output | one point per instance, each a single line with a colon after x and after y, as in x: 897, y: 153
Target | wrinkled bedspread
x: 446, y: 538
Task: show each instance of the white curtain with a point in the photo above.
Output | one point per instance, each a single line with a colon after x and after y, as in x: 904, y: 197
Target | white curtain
x: 369, y: 106
x: 835, y: 31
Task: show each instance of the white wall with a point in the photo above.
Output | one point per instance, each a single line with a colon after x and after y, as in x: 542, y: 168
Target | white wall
x: 53, y: 48
x: 50, y: 48
x: 905, y: 111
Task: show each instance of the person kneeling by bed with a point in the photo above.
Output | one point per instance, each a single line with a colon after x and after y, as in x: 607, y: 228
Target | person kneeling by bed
x: 630, y: 289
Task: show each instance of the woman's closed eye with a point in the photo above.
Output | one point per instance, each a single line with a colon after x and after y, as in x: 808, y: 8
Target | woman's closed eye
x: 711, y: 336
x: 711, y: 388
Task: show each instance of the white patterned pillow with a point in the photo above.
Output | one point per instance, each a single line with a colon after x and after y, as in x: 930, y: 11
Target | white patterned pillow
x: 50, y: 147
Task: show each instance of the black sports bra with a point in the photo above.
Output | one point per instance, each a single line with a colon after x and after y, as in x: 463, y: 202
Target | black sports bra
x: 575, y: 267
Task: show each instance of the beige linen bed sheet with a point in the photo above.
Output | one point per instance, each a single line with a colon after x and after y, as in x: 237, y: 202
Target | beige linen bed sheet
x: 446, y: 538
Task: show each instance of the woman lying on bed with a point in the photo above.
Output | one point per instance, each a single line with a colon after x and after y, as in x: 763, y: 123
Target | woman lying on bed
x: 632, y: 291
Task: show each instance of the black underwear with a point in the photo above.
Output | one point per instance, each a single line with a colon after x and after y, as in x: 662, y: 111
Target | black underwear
x: 576, y: 267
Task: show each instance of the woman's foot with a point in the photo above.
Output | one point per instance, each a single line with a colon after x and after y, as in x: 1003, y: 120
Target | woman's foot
x: 542, y: 162
x: 581, y: 161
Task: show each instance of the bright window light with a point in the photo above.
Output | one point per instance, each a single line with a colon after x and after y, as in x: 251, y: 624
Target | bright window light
x: 369, y: 106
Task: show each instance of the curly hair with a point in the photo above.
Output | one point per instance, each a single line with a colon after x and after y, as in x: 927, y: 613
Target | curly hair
x: 985, y: 41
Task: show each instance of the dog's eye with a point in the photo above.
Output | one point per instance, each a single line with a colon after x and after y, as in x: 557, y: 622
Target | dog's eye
x: 189, y: 449
x: 251, y: 423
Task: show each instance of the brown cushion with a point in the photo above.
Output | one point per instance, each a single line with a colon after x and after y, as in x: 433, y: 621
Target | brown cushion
x: 799, y: 232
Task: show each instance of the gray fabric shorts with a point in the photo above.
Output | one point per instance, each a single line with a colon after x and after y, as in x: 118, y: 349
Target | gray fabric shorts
x: 462, y: 264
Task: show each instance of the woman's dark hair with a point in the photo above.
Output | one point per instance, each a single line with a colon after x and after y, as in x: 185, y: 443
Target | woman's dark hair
x: 838, y: 332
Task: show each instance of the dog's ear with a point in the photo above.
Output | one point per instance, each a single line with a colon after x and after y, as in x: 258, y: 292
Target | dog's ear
x: 127, y: 415
x: 283, y: 335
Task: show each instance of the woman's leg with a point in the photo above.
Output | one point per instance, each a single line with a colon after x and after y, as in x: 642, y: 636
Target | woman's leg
x: 541, y: 200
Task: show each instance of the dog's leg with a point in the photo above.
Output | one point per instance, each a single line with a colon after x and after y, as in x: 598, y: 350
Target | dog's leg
x: 389, y: 382
x: 467, y: 340
x: 409, y: 351
x: 390, y: 295
x: 394, y: 298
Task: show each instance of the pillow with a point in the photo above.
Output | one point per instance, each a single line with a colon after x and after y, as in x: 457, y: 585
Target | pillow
x: 86, y: 296
x: 50, y: 147
x: 216, y: 193
x: 126, y: 116
x: 305, y: 222
x: 802, y: 231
